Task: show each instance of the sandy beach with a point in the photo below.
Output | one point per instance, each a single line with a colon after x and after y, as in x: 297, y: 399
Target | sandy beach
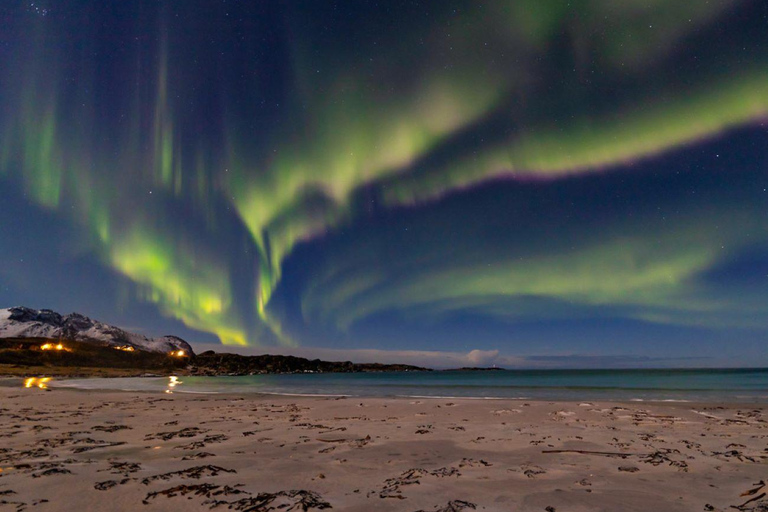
x: 86, y: 450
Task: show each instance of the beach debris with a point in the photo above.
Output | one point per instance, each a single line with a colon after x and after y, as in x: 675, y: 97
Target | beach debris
x: 756, y: 501
x: 623, y: 455
x: 444, y: 472
x: 354, y: 443
x: 472, y: 463
x: 734, y: 422
x: 185, y: 432
x: 359, y: 443
x: 40, y: 469
x: 21, y: 506
x: 108, y: 484
x: 198, y: 455
x: 217, y: 438
x: 283, y: 500
x: 316, y: 426
x: 392, y: 486
x: 734, y: 454
x: 660, y: 457
x: 52, y: 471
x: 691, y: 445
x: 83, y: 449
x: 195, y: 445
x: 110, y: 428
x: 640, y: 417
x: 334, y: 429
x: 454, y: 506
x: 66, y: 439
x: 196, y: 472
x: 204, y: 490
x: 532, y: 471
x: 656, y: 458
x: 122, y: 468
x: 629, y: 469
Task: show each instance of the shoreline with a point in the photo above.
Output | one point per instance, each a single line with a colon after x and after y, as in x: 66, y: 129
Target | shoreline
x: 57, y: 383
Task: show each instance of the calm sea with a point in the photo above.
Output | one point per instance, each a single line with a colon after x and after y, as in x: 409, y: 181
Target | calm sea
x: 743, y: 385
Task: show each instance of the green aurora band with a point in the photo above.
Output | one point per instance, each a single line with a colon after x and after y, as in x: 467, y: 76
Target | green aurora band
x: 390, y: 119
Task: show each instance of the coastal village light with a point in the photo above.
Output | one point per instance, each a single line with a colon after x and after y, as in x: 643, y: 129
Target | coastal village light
x: 51, y: 346
x: 178, y: 353
x: 126, y: 348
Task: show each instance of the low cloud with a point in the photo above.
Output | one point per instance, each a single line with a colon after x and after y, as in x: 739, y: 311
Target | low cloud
x: 482, y: 357
x: 613, y: 361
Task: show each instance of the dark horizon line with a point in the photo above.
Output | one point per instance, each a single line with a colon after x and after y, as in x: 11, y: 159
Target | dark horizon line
x: 639, y: 369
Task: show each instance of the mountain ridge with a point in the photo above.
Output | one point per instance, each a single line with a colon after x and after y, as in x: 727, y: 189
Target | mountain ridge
x: 24, y: 322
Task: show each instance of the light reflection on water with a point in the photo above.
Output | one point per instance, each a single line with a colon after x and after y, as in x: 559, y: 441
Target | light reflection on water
x: 37, y: 382
x: 173, y: 381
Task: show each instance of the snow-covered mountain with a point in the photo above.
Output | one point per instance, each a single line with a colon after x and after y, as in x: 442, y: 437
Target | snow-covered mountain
x: 24, y: 322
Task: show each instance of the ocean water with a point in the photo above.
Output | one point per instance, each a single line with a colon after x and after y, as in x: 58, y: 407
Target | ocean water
x: 740, y: 385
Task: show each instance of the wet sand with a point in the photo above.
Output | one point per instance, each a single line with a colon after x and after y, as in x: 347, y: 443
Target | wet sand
x: 73, y: 450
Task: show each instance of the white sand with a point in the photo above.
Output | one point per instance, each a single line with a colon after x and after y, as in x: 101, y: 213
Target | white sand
x: 371, y: 454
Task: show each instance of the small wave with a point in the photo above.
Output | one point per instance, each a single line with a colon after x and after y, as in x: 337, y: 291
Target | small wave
x: 462, y: 397
x: 303, y: 394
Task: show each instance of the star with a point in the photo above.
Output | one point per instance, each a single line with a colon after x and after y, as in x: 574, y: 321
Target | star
x: 39, y: 10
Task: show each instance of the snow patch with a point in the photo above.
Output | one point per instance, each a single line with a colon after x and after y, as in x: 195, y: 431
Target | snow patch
x: 24, y: 322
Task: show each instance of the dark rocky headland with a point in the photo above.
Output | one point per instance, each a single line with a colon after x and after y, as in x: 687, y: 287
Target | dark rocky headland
x: 27, y: 356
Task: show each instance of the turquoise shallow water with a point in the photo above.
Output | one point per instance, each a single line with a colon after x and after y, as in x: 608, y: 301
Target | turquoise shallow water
x: 744, y: 385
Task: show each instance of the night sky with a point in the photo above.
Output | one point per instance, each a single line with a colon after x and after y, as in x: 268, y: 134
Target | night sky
x: 577, y: 182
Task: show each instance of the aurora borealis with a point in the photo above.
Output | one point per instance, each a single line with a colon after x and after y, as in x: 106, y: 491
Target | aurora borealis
x: 538, y: 177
